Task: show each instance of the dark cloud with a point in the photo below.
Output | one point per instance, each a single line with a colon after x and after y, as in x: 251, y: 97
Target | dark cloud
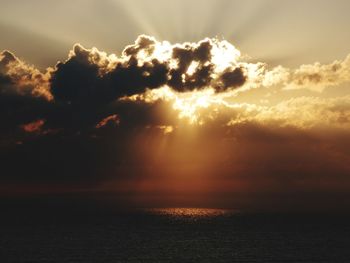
x: 77, y: 124
x: 143, y: 43
x: 18, y: 78
x: 130, y: 78
x: 7, y: 57
x: 75, y: 80
x: 84, y: 79
x: 89, y: 81
x: 232, y: 79
x: 72, y: 132
x: 83, y: 91
x: 185, y: 55
x: 23, y: 94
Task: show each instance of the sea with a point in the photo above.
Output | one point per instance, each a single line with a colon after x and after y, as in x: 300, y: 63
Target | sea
x: 32, y: 235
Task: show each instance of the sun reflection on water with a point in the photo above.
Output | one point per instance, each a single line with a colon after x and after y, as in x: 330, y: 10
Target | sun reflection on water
x: 190, y: 213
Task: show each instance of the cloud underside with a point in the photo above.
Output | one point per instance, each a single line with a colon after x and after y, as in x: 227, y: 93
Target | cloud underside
x: 179, y: 110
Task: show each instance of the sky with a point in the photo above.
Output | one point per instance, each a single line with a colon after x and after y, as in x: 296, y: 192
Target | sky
x: 270, y: 30
x: 241, y: 104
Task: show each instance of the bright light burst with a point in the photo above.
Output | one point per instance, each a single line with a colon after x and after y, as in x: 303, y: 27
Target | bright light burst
x: 224, y: 55
x: 188, y: 105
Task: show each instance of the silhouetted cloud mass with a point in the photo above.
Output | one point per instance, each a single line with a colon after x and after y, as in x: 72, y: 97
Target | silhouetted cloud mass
x: 103, y: 121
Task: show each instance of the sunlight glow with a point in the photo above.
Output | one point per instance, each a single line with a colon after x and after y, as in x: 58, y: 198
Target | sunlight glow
x: 224, y: 55
x: 162, y: 51
x: 192, y: 68
x: 189, y: 105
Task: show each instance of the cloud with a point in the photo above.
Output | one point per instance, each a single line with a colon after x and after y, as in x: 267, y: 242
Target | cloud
x: 318, y: 76
x: 148, y: 64
x: 100, y: 121
x: 34, y: 126
x: 314, y: 77
x: 18, y: 78
x: 234, y: 78
x: 24, y: 94
x: 110, y: 120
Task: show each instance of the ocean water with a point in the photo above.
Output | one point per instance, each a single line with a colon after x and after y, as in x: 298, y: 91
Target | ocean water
x: 172, y: 235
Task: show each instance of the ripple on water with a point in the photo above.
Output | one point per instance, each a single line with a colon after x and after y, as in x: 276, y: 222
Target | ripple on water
x: 191, y: 213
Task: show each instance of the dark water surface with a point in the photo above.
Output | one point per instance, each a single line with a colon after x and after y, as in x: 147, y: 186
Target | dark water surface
x: 172, y: 235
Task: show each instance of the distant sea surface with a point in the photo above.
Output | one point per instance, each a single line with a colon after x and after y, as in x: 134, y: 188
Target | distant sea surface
x: 172, y: 235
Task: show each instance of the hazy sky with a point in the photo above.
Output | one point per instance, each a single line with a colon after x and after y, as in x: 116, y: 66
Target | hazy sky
x: 254, y: 112
x: 274, y: 31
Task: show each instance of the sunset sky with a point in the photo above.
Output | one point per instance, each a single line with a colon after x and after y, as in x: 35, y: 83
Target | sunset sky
x: 241, y: 104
